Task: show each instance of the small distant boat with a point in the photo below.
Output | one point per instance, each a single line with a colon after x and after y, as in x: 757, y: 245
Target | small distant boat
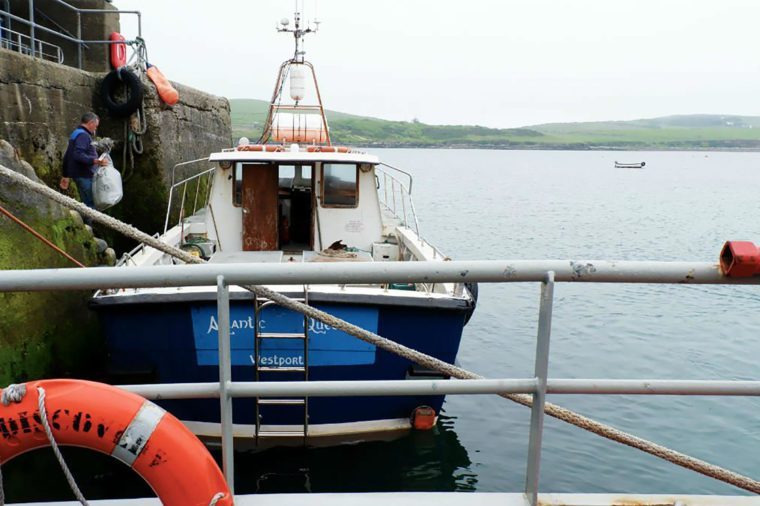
x: 619, y: 165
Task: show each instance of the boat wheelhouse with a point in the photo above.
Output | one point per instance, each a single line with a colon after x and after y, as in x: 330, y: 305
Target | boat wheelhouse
x: 292, y: 198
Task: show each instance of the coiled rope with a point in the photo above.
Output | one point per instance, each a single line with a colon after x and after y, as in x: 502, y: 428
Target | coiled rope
x: 553, y: 410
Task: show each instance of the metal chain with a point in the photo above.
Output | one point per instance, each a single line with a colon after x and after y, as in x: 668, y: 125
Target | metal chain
x: 550, y: 409
x: 56, y: 450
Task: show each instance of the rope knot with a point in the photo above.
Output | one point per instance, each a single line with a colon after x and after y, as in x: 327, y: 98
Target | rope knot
x: 13, y: 393
x: 216, y: 498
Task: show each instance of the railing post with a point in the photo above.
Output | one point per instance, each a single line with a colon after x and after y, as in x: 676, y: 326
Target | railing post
x: 539, y: 397
x: 225, y: 378
x: 31, y: 27
x: 79, y: 40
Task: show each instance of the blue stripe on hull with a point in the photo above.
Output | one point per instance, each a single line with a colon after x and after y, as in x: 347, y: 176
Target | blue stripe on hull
x: 159, y: 343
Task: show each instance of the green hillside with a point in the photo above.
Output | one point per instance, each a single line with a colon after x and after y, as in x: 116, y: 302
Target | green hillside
x: 699, y: 131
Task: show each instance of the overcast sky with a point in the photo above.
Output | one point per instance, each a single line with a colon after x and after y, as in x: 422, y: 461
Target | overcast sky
x: 495, y: 63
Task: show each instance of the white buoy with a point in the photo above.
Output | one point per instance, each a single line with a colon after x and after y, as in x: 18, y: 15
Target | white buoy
x: 297, y: 82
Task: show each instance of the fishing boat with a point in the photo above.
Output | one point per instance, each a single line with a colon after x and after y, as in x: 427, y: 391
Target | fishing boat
x: 292, y: 197
x: 621, y: 165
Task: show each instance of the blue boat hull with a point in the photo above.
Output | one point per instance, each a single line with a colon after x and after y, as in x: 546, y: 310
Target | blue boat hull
x: 176, y: 342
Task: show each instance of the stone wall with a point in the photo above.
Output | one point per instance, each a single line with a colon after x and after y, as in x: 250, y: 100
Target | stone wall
x: 41, y: 102
x: 43, y: 334
x: 54, y: 334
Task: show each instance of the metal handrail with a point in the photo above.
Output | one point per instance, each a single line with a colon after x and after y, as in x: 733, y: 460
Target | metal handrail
x: 9, y: 43
x: 411, y: 180
x: 397, y: 187
x: 184, y: 183
x: 548, y: 272
x: 33, y: 26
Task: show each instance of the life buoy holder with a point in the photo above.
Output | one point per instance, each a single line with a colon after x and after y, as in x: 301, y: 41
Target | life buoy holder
x: 269, y: 148
x: 112, y: 82
x: 328, y: 149
x: 118, y: 50
x: 109, y: 420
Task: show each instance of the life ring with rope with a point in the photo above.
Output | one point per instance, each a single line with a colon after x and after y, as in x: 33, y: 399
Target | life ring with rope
x: 118, y: 50
x: 155, y: 444
x: 110, y: 86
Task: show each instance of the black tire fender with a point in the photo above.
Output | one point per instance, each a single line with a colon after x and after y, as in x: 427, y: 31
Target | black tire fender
x: 112, y: 83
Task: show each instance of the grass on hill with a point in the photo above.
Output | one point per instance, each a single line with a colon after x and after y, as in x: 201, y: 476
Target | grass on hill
x: 671, y: 132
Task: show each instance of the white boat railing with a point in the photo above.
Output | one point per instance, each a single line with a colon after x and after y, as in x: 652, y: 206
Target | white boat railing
x: 546, y: 272
x: 183, y: 184
x: 396, y: 197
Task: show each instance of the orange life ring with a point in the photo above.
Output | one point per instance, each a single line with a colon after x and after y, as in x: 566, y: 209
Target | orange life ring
x: 118, y: 50
x: 260, y: 147
x: 328, y: 149
x: 107, y: 419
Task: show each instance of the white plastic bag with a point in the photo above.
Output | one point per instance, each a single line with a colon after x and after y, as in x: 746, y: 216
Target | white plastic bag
x: 106, y: 185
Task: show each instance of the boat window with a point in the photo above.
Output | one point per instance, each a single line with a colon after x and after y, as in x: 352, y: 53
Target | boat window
x: 237, y: 187
x: 340, y: 185
x: 295, y: 176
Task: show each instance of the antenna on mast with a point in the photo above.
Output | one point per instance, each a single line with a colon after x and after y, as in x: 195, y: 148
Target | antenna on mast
x: 298, y: 33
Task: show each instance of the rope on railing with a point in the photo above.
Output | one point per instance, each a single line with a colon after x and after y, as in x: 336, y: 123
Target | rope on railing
x: 553, y: 410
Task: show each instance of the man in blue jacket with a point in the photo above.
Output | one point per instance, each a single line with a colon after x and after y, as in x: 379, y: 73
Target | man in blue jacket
x: 81, y: 161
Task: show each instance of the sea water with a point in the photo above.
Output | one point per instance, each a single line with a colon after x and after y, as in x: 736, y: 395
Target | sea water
x: 483, y: 204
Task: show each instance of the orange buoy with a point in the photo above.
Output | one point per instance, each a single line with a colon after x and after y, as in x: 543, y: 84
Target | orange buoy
x: 269, y: 148
x: 166, y: 91
x: 109, y: 420
x: 423, y: 418
x: 328, y: 149
x: 118, y: 50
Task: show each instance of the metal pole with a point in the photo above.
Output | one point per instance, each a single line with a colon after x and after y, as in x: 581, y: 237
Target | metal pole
x: 225, y: 379
x: 31, y: 26
x: 320, y: 273
x: 79, y: 37
x: 539, y: 398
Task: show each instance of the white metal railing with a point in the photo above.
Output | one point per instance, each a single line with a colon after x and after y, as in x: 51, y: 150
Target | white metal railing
x: 15, y: 41
x: 547, y: 272
x: 174, y: 188
x: 396, y: 197
x: 81, y: 43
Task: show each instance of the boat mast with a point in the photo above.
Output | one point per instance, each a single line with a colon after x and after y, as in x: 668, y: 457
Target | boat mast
x: 299, y: 32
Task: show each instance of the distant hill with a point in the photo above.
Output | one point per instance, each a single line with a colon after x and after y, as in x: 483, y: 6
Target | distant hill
x: 697, y: 131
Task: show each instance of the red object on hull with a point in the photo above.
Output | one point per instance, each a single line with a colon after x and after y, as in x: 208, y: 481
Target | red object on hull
x: 423, y: 418
x: 740, y: 259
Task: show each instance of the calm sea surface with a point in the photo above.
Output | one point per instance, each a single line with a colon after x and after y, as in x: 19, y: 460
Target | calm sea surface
x: 477, y: 204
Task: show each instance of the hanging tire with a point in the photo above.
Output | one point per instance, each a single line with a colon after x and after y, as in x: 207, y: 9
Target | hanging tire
x: 112, y: 84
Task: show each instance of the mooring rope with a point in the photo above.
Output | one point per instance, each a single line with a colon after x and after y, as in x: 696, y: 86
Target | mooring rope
x: 54, y: 445
x: 427, y: 361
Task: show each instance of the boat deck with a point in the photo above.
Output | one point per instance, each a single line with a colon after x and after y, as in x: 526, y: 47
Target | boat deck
x: 454, y: 499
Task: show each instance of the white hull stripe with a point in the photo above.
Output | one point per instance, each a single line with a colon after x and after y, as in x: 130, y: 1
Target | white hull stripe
x: 137, y: 434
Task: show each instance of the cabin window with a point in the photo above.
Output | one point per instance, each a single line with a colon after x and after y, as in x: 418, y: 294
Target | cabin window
x: 340, y: 185
x: 237, y: 186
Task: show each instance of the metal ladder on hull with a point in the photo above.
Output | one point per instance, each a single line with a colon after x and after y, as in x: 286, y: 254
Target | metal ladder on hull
x: 259, y: 337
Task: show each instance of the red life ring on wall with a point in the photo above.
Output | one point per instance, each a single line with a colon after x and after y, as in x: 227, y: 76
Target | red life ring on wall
x: 109, y: 420
x: 118, y: 50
